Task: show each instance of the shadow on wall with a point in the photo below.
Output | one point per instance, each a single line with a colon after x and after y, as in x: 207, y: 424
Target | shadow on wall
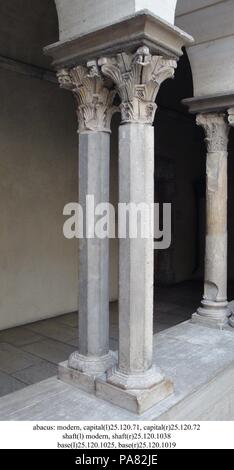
x: 38, y: 147
x: 180, y: 170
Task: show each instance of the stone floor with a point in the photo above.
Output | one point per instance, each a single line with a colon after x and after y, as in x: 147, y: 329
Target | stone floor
x: 198, y: 359
x: 30, y: 353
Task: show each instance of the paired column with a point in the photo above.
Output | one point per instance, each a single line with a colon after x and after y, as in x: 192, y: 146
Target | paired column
x: 136, y: 383
x: 213, y: 310
x: 94, y: 108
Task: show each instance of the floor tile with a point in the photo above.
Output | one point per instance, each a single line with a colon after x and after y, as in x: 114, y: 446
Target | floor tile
x: 31, y: 353
x: 53, y: 329
x: 73, y: 342
x: 70, y: 319
x: 9, y: 384
x: 49, y: 388
x: 19, y: 336
x: 13, y: 359
x: 50, y: 350
x: 33, y: 374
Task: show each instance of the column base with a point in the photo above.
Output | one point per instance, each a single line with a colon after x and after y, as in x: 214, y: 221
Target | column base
x: 137, y: 401
x: 207, y: 320
x: 81, y: 371
x: 76, y: 378
x: 140, y: 381
x: 92, y: 365
x: 212, y: 313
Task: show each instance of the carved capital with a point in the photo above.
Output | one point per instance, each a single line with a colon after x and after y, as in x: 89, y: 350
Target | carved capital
x: 216, y: 130
x: 231, y: 116
x: 138, y: 78
x: 94, y: 96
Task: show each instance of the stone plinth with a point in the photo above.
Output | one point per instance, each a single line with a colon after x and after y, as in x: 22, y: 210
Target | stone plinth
x: 136, y: 401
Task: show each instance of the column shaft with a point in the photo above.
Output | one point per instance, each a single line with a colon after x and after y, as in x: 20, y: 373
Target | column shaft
x: 93, y: 356
x: 94, y: 150
x: 136, y: 185
x: 216, y: 228
x: 136, y: 262
x: 213, y: 307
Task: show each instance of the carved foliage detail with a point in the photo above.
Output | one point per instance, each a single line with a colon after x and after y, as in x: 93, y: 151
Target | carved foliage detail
x: 138, y: 78
x: 216, y: 131
x: 93, y: 95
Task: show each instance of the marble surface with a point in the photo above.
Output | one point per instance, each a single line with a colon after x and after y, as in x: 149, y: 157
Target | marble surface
x: 199, y: 360
x: 33, y: 350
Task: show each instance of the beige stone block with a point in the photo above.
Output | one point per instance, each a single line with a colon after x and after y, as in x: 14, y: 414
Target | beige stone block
x: 136, y: 401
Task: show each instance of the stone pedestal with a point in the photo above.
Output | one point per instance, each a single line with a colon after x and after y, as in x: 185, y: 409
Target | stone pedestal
x: 136, y: 401
x: 213, y: 310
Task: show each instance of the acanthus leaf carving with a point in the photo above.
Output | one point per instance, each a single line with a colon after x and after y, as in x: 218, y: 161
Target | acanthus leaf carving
x: 138, y: 78
x: 216, y: 137
x: 94, y: 96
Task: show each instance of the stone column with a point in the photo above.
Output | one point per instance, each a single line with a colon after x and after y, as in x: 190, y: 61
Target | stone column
x: 231, y: 122
x: 213, y: 310
x: 94, y: 109
x: 136, y: 383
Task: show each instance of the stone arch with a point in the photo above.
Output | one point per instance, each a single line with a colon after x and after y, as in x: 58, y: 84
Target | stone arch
x: 210, y: 23
x: 25, y: 31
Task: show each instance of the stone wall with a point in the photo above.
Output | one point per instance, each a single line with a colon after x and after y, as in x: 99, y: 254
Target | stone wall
x: 38, y: 272
x: 39, y: 168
